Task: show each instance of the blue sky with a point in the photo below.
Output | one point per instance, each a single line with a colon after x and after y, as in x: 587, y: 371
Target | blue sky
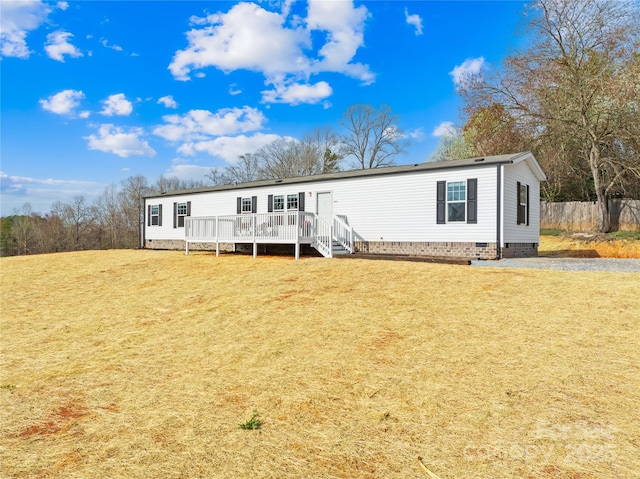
x: 94, y: 92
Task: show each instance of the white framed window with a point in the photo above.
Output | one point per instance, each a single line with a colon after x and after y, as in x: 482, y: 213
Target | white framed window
x: 292, y: 202
x: 456, y: 201
x: 246, y: 205
x: 278, y: 203
x: 155, y: 215
x: 182, y: 214
x: 523, y: 204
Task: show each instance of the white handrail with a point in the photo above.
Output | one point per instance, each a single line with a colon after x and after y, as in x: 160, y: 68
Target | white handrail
x: 323, y: 237
x: 343, y: 233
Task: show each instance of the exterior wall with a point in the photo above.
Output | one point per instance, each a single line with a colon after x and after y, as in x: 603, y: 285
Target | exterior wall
x: 449, y: 249
x: 512, y: 231
x: 382, y: 208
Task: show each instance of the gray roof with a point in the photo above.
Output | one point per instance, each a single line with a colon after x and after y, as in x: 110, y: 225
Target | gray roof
x: 390, y: 170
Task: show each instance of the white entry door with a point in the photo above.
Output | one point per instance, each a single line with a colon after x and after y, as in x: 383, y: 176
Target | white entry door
x: 325, y: 206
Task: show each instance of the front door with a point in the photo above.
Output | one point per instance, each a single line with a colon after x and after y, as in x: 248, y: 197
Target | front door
x: 325, y: 207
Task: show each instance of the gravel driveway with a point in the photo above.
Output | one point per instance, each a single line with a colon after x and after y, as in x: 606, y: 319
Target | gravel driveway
x: 566, y: 264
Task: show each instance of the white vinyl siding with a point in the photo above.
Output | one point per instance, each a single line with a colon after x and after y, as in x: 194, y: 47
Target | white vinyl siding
x: 514, y: 232
x: 395, y: 207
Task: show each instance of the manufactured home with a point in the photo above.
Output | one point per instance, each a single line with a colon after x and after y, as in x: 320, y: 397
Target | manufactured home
x: 483, y: 208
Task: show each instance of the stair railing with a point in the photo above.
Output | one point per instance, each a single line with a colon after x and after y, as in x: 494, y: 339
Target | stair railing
x: 343, y: 233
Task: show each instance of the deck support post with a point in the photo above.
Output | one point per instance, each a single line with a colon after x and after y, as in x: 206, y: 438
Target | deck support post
x: 253, y: 229
x: 217, y: 239
x: 186, y: 249
x: 297, y: 247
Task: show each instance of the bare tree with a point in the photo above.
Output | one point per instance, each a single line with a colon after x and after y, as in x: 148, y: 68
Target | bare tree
x: 246, y: 169
x: 132, y: 194
x: 577, y: 85
x: 325, y: 149
x: 373, y: 138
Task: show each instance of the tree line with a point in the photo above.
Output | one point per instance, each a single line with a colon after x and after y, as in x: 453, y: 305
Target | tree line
x: 114, y: 219
x: 571, y: 96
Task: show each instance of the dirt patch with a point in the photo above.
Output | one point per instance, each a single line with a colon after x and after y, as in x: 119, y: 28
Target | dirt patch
x: 587, y: 246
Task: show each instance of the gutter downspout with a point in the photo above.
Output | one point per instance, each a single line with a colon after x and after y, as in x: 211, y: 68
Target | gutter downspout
x: 498, y: 211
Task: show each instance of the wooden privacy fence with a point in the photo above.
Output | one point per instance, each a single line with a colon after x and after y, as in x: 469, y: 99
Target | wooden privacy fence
x: 583, y: 215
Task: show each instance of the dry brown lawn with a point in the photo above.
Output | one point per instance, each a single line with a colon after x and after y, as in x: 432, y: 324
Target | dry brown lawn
x: 142, y: 364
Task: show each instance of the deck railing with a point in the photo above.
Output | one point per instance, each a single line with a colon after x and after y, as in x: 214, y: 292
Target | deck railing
x: 297, y: 227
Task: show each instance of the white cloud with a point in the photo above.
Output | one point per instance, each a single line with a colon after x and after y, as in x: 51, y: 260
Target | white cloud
x: 344, y: 25
x: 414, y: 20
x: 185, y: 171
x: 58, y: 45
x: 234, y: 90
x: 229, y: 148
x: 105, y: 44
x: 64, y: 102
x: 167, y: 101
x: 112, y: 139
x: 469, y: 68
x: 46, y: 181
x: 247, y: 37
x: 117, y: 105
x: 62, y: 5
x: 40, y: 192
x: 84, y: 114
x: 416, y: 134
x: 251, y: 38
x: 17, y: 19
x: 202, y: 124
x: 298, y: 93
x: 446, y: 128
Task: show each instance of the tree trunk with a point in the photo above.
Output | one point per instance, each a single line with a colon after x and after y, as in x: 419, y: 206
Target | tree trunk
x: 604, y: 219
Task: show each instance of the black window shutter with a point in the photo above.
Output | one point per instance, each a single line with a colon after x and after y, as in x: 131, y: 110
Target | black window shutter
x: 472, y: 200
x: 188, y: 208
x: 441, y: 202
x: 270, y: 203
x: 159, y: 215
x: 301, y: 201
x: 175, y: 215
x: 527, y: 205
x: 149, y: 216
x: 254, y: 204
x: 239, y: 205
x: 519, y: 210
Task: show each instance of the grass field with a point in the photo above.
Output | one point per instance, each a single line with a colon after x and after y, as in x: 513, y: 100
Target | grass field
x: 143, y: 364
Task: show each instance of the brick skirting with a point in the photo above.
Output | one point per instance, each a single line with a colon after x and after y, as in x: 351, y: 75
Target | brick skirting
x: 520, y: 250
x: 180, y: 245
x: 453, y: 249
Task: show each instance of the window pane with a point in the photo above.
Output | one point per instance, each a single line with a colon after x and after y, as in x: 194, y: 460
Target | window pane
x: 523, y: 195
x: 278, y: 203
x: 155, y: 209
x: 182, y: 209
x: 154, y: 220
x: 456, y: 191
x: 246, y: 205
x: 292, y: 202
x: 456, y: 211
x: 180, y: 221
